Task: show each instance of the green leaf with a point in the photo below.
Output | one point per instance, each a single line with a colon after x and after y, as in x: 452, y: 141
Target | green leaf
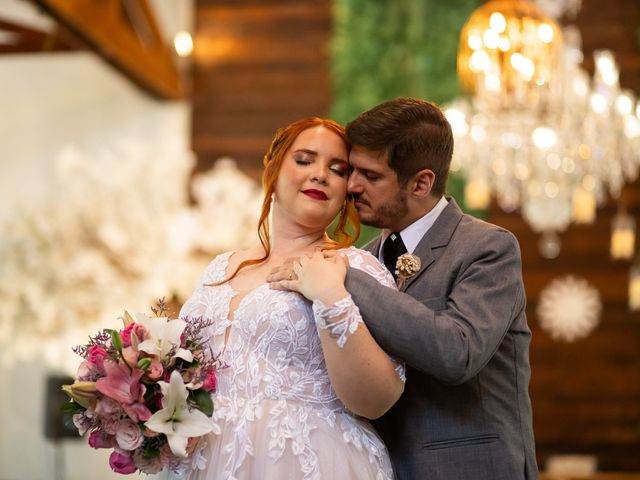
x: 72, y: 407
x: 116, y: 340
x: 144, y: 363
x: 204, y: 401
x: 151, y: 450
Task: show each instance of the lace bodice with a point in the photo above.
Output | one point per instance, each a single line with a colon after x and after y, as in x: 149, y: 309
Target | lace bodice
x: 273, y: 369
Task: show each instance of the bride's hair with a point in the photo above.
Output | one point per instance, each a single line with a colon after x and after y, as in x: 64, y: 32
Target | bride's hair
x: 284, y: 138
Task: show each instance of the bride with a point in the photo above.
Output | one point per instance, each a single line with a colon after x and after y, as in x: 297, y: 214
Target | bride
x: 299, y: 376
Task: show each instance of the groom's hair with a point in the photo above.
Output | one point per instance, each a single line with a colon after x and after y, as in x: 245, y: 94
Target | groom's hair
x: 414, y: 134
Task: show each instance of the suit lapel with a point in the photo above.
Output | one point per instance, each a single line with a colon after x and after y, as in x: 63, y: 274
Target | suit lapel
x: 436, y: 237
x: 373, y: 247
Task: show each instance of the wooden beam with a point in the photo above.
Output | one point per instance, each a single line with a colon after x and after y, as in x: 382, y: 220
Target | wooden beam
x: 125, y: 33
x: 15, y: 38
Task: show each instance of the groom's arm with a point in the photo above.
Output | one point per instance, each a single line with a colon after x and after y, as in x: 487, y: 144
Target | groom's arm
x: 455, y: 340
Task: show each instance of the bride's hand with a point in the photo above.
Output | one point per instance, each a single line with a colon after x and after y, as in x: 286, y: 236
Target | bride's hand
x: 316, y: 278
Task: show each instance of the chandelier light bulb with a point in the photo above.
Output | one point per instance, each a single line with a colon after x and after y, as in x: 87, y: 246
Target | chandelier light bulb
x: 623, y: 236
x: 498, y: 22
x: 624, y: 104
x: 478, y: 133
x: 580, y: 87
x: 545, y: 32
x: 554, y: 161
x: 631, y: 127
x: 583, y: 206
x: 504, y: 44
x: 604, y: 62
x: 544, y: 138
x: 474, y: 42
x: 599, y: 103
x: 458, y: 121
x: 584, y: 151
x: 516, y: 60
x: 491, y: 39
x: 492, y: 83
x: 551, y: 189
x: 479, y: 61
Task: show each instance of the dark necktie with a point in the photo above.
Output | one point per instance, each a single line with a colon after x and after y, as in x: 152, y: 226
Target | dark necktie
x: 393, y: 247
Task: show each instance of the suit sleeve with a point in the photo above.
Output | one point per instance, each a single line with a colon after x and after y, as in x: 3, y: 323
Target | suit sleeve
x: 454, y: 340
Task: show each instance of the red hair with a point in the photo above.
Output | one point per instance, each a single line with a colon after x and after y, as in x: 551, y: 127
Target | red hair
x: 272, y: 162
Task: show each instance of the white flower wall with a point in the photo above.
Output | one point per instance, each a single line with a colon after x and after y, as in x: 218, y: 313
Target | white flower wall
x: 94, y: 217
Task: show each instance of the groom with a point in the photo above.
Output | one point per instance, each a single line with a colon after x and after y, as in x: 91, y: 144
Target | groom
x: 458, y: 321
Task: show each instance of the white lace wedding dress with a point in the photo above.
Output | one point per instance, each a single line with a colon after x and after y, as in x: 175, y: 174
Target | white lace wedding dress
x: 276, y: 415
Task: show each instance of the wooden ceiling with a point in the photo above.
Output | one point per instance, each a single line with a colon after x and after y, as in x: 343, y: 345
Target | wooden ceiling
x: 124, y: 32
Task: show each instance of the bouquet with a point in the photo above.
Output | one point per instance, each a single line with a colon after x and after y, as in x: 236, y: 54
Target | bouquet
x: 145, y: 391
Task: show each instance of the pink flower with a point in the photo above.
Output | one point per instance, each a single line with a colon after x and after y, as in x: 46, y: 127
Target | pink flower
x: 124, y: 386
x: 100, y: 440
x: 209, y: 384
x: 121, y: 462
x: 130, y: 355
x: 96, y: 354
x: 128, y: 435
x: 120, y: 384
x: 135, y: 329
x: 138, y: 412
x: 155, y: 370
x: 109, y: 412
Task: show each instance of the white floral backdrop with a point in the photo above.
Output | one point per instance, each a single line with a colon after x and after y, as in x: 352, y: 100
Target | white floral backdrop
x: 95, y: 215
x: 118, y: 232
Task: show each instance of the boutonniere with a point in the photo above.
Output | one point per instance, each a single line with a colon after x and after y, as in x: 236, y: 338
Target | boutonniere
x: 407, y: 266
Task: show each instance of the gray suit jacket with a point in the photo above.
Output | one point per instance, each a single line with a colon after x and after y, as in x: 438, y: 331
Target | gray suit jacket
x: 461, y: 328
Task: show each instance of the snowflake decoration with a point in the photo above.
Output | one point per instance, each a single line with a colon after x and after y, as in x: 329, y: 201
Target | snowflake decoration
x: 569, y: 308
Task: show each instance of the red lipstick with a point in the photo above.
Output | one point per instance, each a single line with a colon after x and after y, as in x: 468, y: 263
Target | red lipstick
x: 317, y: 194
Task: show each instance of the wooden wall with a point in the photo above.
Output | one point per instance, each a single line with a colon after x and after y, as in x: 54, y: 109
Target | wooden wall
x: 586, y: 395
x: 261, y: 64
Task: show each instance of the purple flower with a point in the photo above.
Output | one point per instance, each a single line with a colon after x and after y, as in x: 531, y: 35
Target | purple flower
x: 121, y: 462
x: 98, y: 439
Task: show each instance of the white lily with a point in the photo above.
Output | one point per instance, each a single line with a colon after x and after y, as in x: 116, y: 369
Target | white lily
x: 164, y: 335
x: 175, y: 419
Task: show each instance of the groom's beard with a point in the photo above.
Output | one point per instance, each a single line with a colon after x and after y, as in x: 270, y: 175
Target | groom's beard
x: 386, y: 213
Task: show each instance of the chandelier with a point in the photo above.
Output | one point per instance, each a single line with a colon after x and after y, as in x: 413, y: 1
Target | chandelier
x: 537, y: 132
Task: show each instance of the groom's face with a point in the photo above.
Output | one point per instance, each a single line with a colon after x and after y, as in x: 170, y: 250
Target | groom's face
x: 379, y: 199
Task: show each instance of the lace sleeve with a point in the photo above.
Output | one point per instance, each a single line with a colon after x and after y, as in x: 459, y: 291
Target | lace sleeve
x: 343, y: 317
x: 196, y: 305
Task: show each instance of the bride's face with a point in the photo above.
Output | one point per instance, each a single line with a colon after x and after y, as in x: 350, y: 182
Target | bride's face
x: 312, y: 183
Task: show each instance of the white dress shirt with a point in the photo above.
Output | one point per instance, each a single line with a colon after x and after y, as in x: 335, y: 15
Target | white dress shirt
x: 412, y: 234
